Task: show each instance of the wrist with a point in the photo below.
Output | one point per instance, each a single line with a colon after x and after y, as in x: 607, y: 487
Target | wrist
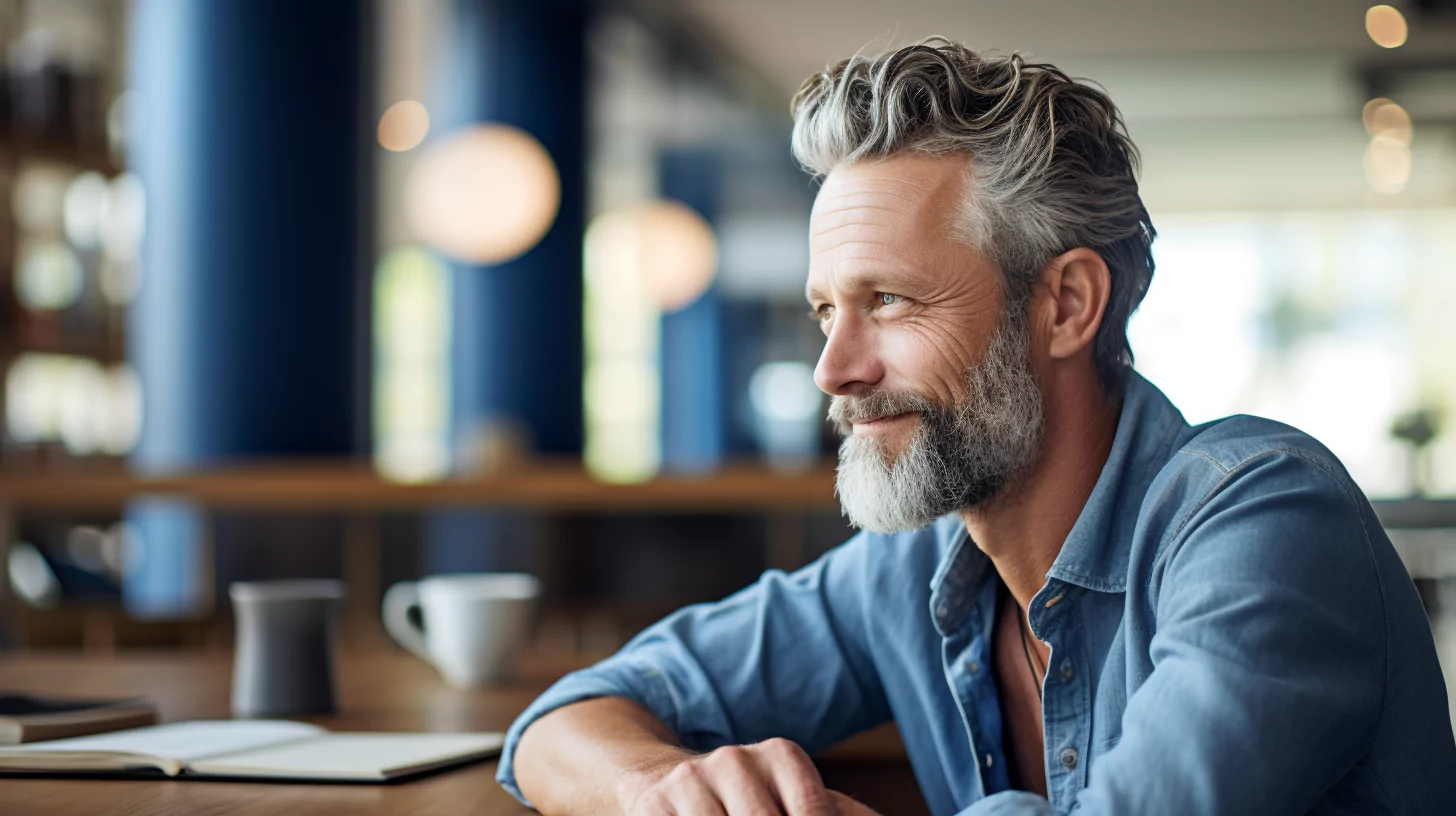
x: 636, y: 778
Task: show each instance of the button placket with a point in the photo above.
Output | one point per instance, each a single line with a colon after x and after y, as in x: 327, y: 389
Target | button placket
x: 1066, y: 697
x: 965, y: 651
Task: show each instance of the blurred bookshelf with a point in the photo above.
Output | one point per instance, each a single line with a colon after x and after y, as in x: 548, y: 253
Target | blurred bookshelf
x: 71, y: 227
x: 70, y: 235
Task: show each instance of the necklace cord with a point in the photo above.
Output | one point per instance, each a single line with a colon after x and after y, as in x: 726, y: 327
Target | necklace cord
x: 1026, y: 650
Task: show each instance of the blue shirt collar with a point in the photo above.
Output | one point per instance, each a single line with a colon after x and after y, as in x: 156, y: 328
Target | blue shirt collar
x: 1096, y: 552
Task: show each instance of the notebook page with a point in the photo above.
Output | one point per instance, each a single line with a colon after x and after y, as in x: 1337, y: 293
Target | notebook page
x: 356, y: 756
x: 183, y: 742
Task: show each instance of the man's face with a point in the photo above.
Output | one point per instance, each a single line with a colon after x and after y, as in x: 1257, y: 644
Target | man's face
x: 930, y: 380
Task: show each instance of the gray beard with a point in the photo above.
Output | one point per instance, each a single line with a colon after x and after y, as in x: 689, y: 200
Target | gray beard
x: 961, y: 455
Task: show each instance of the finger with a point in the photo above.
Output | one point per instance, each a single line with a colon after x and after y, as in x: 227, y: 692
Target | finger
x: 794, y: 779
x: 698, y: 800
x: 739, y: 783
x: 688, y: 793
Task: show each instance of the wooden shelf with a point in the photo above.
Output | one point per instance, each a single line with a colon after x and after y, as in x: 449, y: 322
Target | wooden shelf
x: 15, y: 147
x: 319, y: 486
x: 546, y: 485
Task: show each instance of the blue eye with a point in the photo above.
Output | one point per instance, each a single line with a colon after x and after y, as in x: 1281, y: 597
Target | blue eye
x: 887, y: 299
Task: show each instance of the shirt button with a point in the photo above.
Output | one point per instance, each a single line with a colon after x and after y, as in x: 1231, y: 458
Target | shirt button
x: 988, y: 760
x: 942, y: 611
x: 1067, y: 669
x: 973, y: 667
x: 1069, y: 758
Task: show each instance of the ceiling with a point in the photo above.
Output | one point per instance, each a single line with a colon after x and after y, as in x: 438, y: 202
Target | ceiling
x: 787, y: 40
x: 1236, y: 104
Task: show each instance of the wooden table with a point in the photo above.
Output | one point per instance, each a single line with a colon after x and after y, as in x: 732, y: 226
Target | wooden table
x: 377, y: 692
x: 383, y: 692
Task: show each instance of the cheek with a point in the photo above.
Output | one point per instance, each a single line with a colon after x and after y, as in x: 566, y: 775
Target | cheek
x: 928, y: 360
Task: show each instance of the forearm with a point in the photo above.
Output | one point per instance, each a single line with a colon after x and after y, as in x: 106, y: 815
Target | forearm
x: 591, y: 757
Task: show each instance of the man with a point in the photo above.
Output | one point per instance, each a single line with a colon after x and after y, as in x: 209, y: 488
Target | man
x: 1065, y: 597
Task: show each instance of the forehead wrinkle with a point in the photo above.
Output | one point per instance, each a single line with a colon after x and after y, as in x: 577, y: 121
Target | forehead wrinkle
x: 883, y: 240
x: 857, y: 214
x: 863, y: 218
x: 923, y: 191
x: 867, y: 200
x: 899, y: 215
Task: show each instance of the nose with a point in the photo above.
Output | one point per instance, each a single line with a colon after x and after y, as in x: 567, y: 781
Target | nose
x: 850, y: 364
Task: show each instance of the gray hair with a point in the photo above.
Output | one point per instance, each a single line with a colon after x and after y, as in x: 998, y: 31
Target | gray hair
x: 1051, y: 164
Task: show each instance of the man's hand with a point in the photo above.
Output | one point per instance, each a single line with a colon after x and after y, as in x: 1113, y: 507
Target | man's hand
x: 610, y: 755
x: 771, y: 777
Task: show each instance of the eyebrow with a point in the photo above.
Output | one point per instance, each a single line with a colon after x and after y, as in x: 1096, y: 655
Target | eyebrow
x: 854, y: 281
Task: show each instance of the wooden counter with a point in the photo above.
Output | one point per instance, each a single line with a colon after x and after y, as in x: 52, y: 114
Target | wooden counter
x: 378, y: 692
x: 324, y: 486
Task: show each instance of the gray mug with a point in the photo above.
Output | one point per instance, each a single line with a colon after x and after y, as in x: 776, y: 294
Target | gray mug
x: 284, y: 662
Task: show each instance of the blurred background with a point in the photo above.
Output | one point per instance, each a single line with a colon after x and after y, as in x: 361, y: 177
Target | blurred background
x: 376, y: 290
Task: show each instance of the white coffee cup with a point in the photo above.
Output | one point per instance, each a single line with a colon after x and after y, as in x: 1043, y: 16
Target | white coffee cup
x: 473, y: 623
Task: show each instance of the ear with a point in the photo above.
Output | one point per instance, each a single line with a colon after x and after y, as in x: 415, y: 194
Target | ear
x: 1074, y: 288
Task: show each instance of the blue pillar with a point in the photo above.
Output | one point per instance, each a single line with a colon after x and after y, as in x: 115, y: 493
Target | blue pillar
x: 517, y: 351
x: 248, y: 330
x: 516, y: 358
x: 694, y: 357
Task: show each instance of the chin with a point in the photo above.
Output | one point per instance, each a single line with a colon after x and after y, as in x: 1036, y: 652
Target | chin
x: 884, y: 492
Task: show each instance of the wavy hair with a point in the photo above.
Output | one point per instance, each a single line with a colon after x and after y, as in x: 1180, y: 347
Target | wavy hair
x: 1051, y: 166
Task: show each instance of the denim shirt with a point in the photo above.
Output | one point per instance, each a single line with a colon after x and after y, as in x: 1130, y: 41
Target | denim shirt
x: 1231, y: 632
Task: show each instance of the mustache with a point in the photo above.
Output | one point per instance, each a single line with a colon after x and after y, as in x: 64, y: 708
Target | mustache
x: 844, y: 411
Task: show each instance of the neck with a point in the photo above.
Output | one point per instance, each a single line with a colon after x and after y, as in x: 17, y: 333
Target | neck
x: 1023, y: 530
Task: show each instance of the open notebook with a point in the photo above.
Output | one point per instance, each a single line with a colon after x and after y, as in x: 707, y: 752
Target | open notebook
x: 264, y: 749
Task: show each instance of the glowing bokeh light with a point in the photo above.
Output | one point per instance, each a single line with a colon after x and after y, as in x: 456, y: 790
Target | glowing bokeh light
x: 49, y: 277
x: 403, y: 126
x: 31, y: 576
x: 785, y: 391
x: 786, y: 410
x: 486, y: 194
x: 126, y: 218
x: 38, y: 198
x: 1386, y: 26
x: 74, y: 401
x: 412, y: 367
x: 1383, y: 117
x: 84, y: 211
x: 119, y: 425
x: 1367, y: 113
x: 666, y: 244
x: 1387, y: 164
x: 621, y: 388
x: 81, y: 400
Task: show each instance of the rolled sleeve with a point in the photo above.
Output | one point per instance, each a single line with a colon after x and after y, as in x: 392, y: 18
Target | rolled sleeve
x: 618, y: 677
x: 786, y: 657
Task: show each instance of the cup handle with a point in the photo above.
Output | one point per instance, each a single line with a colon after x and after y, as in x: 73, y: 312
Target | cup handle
x: 398, y: 601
